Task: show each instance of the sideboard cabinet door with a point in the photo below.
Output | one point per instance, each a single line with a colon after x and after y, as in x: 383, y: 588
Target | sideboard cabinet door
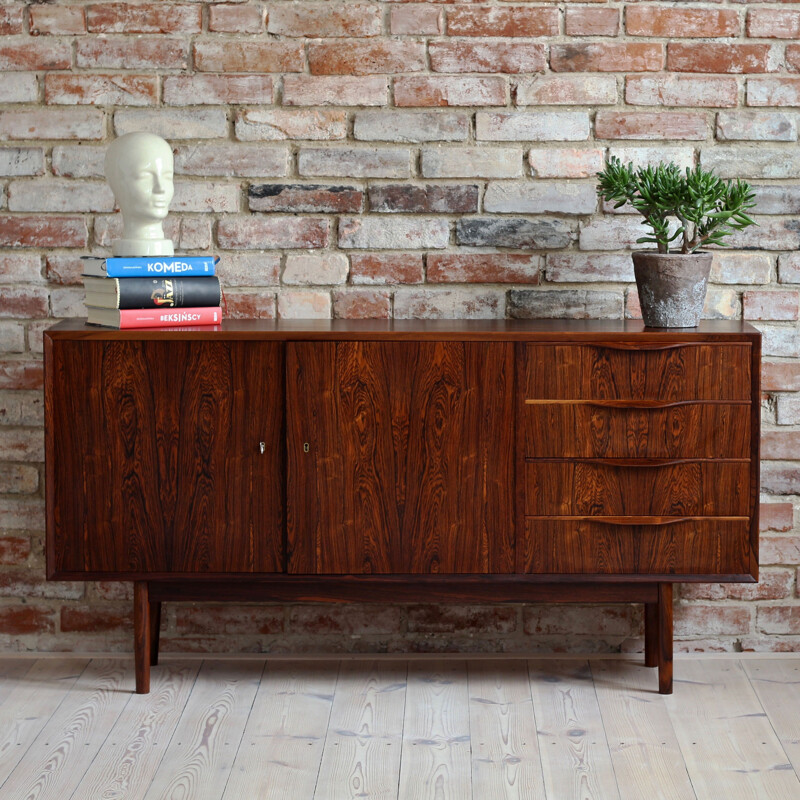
x: 400, y: 457
x: 157, y: 464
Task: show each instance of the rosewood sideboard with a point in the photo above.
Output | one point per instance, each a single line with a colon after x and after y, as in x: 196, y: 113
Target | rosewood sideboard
x: 455, y: 461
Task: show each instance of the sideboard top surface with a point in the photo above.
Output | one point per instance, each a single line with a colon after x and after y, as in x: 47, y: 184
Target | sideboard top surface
x: 369, y: 329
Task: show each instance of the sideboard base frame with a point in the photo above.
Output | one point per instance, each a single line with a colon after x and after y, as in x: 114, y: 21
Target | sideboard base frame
x: 149, y: 595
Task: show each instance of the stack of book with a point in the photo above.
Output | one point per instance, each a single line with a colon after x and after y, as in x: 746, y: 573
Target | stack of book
x: 152, y: 291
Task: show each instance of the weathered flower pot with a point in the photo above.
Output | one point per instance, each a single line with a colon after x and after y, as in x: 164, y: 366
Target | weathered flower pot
x: 672, y: 287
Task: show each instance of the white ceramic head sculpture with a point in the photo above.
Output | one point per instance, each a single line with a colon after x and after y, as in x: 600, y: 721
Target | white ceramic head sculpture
x: 138, y: 167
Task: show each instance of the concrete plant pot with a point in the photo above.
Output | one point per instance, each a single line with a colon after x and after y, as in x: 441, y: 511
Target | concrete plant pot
x: 672, y: 287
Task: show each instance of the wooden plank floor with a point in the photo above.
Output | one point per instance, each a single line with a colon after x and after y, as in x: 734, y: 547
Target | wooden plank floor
x: 444, y: 728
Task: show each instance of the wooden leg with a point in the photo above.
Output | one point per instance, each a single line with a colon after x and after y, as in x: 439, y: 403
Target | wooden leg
x: 665, y: 638
x: 155, y: 630
x: 141, y: 636
x: 651, y: 634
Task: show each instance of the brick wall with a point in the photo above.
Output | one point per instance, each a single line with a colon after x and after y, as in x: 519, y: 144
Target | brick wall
x: 408, y: 159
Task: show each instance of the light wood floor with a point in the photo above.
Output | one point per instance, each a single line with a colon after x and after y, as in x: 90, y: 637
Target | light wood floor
x: 447, y: 729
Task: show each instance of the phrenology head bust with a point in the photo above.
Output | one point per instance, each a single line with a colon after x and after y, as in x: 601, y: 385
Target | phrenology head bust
x: 139, y: 169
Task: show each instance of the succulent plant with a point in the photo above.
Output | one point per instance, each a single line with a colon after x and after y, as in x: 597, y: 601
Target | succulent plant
x: 706, y: 207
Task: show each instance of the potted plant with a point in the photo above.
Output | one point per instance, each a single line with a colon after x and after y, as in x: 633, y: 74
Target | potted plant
x: 686, y: 212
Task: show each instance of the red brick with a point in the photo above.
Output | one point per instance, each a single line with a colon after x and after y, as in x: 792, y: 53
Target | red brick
x: 118, y: 90
x: 319, y: 20
x: 793, y: 56
x: 780, y: 445
x: 717, y: 57
x: 681, y: 90
x: 772, y: 23
x: 362, y: 304
x: 607, y: 57
x: 779, y: 550
x: 680, y: 23
x: 122, y: 52
x: 304, y: 304
x: 776, y: 517
x: 198, y: 89
x: 515, y: 21
x: 275, y: 124
x: 347, y: 619
x: 14, y: 550
x: 462, y: 619
x: 10, y: 19
x: 377, y: 268
x: 571, y: 619
x: 483, y: 268
x: 143, y: 18
x: 566, y: 162
x: 780, y: 478
x: 229, y: 619
x: 113, y: 590
x: 653, y: 125
x: 233, y: 18
x: 307, y: 198
x: 780, y: 376
x: 430, y: 199
x: 84, y: 619
x: 38, y: 231
x: 32, y: 583
x: 770, y: 305
x: 272, y: 233
x: 359, y: 57
x: 588, y: 21
x: 568, y: 90
x: 21, y: 375
x: 17, y: 620
x: 223, y: 55
x: 487, y: 56
x: 450, y: 91
x: 248, y: 305
x: 59, y: 20
x: 34, y: 54
x: 416, y: 19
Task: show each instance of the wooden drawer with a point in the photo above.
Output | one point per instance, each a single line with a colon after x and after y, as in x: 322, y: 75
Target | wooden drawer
x: 589, y: 429
x: 638, y: 371
x: 709, y: 546
x: 685, y: 488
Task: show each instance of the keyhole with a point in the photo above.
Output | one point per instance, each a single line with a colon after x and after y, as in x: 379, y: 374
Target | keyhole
x: 306, y: 447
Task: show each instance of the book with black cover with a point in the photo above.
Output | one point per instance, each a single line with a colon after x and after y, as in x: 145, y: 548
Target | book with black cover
x: 152, y: 292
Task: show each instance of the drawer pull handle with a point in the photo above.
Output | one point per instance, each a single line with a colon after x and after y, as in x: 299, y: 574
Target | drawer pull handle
x: 635, y: 404
x: 645, y: 346
x: 639, y: 521
x: 635, y: 462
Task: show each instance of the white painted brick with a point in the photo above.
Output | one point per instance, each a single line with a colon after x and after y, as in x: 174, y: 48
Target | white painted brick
x: 79, y: 161
x: 779, y: 341
x: 328, y: 268
x: 532, y: 126
x: 367, y: 162
x: 395, y: 233
x: 472, y: 162
x: 275, y: 124
x: 19, y: 87
x: 752, y: 162
x: 614, y: 233
x: 304, y: 304
x: 743, y: 268
x: 12, y: 340
x: 21, y: 161
x: 583, y: 267
x: 566, y: 162
x: 644, y: 156
x: 756, y: 125
x: 410, y: 126
x: 789, y: 268
x: 59, y: 195
x: 232, y: 160
x: 788, y: 409
x: 205, y: 197
x: 449, y: 303
x: 67, y: 301
x: 540, y: 197
x: 196, y: 123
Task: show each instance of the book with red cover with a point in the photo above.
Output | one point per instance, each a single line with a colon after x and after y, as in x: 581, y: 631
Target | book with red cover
x: 153, y: 317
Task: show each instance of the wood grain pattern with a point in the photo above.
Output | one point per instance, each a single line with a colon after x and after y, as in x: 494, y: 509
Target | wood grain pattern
x: 687, y: 431
x: 200, y: 755
x: 135, y: 746
x: 686, y: 489
x: 410, y: 467
x: 65, y: 747
x: 506, y: 764
x: 706, y: 546
x: 726, y: 739
x: 282, y: 744
x: 690, y: 371
x: 644, y: 750
x: 435, y: 763
x: 361, y: 757
x: 576, y: 762
x: 166, y: 435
